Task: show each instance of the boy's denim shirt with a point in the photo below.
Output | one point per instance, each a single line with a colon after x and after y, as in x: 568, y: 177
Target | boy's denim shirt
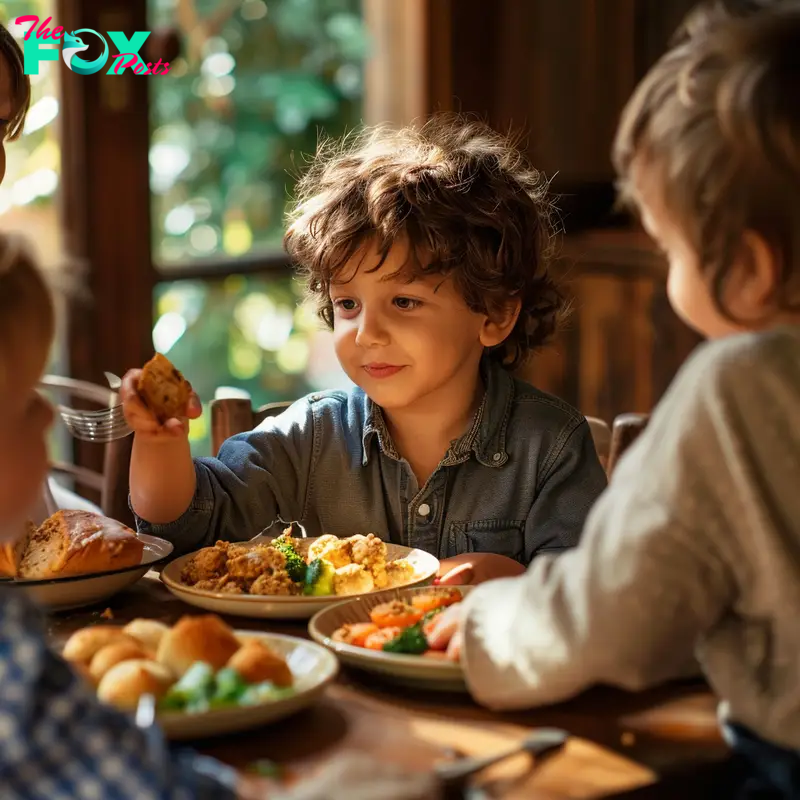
x: 519, y: 482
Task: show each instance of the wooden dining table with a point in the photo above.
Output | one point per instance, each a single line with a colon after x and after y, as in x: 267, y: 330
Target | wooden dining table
x: 658, y: 743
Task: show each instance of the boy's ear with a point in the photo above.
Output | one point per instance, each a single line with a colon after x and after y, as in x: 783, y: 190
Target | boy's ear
x: 763, y: 271
x: 499, y: 323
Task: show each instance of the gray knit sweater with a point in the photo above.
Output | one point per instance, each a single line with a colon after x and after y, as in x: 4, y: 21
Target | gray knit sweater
x: 695, y: 545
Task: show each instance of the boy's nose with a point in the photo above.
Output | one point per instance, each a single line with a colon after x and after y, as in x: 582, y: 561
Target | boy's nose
x: 371, y: 330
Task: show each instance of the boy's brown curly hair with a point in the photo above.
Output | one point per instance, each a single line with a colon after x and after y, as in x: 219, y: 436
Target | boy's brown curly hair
x: 462, y: 196
x: 20, y: 84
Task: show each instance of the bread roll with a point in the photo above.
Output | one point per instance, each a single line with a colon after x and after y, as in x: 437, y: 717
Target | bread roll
x: 83, y: 644
x: 147, y: 631
x: 202, y: 638
x: 78, y: 543
x: 163, y: 389
x: 112, y: 654
x: 126, y: 682
x: 255, y: 662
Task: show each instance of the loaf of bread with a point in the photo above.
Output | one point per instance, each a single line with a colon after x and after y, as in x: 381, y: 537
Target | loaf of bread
x: 72, y: 543
x: 83, y: 644
x: 163, y: 389
x: 11, y: 553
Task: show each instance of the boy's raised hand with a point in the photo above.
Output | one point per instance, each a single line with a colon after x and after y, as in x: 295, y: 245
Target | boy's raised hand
x: 143, y: 422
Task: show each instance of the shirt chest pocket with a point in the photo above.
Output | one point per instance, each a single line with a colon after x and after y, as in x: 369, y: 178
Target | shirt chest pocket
x: 506, y: 537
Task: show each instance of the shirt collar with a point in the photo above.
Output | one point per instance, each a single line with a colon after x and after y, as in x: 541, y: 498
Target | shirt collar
x: 486, y: 436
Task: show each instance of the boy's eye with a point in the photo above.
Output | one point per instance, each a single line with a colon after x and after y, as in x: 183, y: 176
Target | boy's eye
x: 407, y: 303
x: 345, y: 304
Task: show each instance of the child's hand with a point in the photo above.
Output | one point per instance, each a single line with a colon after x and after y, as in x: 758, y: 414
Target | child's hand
x: 472, y: 568
x: 444, y: 631
x: 143, y: 421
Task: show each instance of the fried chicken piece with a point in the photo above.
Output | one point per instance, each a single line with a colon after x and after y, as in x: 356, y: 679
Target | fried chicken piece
x: 207, y: 564
x: 255, y: 561
x: 353, y: 579
x: 332, y: 549
x: 277, y: 582
x: 370, y: 552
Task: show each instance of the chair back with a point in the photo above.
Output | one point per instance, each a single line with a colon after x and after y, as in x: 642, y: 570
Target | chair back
x: 112, y: 484
x: 232, y: 415
x: 627, y: 428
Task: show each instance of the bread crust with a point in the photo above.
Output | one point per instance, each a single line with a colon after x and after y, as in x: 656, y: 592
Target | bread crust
x: 91, y: 544
x: 163, y: 389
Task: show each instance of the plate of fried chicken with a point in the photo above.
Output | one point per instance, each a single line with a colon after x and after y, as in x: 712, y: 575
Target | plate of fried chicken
x: 293, y: 578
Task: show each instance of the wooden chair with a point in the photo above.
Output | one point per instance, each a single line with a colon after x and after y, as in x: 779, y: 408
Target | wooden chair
x: 624, y: 432
x: 112, y: 483
x: 232, y: 415
x: 601, y: 434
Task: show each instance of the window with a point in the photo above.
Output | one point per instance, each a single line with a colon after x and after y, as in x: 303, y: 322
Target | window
x: 232, y: 124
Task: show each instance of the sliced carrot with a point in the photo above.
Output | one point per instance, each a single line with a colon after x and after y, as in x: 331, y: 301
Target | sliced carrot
x: 395, y: 614
x: 430, y: 601
x: 355, y: 633
x: 376, y: 640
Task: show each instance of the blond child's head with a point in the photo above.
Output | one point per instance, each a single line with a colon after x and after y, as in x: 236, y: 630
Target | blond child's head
x: 26, y: 334
x: 425, y: 248
x: 708, y: 150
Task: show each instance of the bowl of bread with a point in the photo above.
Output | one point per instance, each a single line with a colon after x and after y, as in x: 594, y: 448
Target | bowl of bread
x: 76, y: 558
x: 205, y: 678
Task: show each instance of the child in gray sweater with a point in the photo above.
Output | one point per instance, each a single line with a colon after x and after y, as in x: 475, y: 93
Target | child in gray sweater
x: 695, y: 546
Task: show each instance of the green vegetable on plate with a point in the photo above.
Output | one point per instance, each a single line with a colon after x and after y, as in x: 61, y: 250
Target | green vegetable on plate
x: 319, y: 578
x: 410, y: 641
x: 295, y: 563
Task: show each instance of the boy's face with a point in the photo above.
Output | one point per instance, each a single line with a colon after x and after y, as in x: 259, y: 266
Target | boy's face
x: 687, y: 287
x: 24, y: 420
x: 401, y: 342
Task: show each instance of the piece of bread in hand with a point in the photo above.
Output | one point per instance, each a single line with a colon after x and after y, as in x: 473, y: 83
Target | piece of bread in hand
x: 201, y: 638
x: 163, y: 389
x: 78, y: 543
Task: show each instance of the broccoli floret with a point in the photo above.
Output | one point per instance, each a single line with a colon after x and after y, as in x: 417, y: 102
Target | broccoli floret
x: 295, y: 563
x: 410, y: 641
x: 319, y: 578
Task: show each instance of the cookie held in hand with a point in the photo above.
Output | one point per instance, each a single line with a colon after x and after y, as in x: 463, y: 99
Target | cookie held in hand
x: 163, y: 389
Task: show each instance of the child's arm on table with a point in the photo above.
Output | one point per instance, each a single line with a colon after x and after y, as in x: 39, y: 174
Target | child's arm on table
x: 651, y: 574
x: 258, y: 477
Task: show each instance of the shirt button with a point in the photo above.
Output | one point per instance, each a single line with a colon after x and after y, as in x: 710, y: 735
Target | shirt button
x: 424, y: 510
x: 497, y: 456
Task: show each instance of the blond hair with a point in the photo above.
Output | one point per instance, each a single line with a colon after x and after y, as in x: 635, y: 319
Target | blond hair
x: 27, y: 317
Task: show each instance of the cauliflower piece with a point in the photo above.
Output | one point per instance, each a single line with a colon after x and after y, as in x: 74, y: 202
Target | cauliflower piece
x: 331, y: 548
x: 370, y: 552
x: 352, y: 579
x: 399, y: 572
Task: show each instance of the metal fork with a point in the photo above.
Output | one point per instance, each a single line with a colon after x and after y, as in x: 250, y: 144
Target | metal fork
x: 101, y: 426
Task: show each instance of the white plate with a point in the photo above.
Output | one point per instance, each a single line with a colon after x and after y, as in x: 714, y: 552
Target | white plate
x: 416, y: 671
x: 312, y: 666
x: 75, y: 591
x: 285, y: 607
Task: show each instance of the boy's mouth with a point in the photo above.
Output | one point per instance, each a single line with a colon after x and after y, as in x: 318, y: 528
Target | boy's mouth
x: 381, y: 370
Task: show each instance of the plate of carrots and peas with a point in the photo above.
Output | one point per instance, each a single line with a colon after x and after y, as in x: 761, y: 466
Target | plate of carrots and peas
x: 386, y: 634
